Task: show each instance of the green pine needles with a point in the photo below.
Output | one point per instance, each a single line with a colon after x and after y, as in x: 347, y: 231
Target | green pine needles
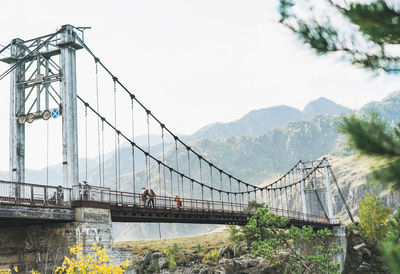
x: 362, y: 31
x: 374, y: 138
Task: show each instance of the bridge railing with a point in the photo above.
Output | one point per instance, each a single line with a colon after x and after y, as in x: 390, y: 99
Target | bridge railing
x: 85, y: 192
x: 299, y: 216
x: 128, y: 199
x: 166, y: 202
x: 34, y: 195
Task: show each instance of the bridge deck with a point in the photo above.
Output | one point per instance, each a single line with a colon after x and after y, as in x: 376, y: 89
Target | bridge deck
x: 28, y: 203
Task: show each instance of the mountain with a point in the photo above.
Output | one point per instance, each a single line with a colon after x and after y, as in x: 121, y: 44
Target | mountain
x: 388, y: 108
x: 253, y: 159
x: 255, y: 123
x: 259, y: 122
x: 324, y: 106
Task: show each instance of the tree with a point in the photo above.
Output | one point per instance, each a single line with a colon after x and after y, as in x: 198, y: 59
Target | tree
x: 91, y: 263
x: 261, y: 233
x: 269, y: 236
x: 235, y: 238
x: 373, y: 218
x: 365, y: 33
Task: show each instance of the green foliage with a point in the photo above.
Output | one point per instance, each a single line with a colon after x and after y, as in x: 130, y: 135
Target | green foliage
x: 373, y: 23
x: 315, y: 35
x: 373, y: 217
x: 253, y: 206
x: 199, y: 248
x: 174, y: 249
x: 171, y: 262
x: 320, y: 260
x: 153, y: 268
x: 260, y: 233
x: 170, y: 256
x: 268, y: 236
x: 376, y: 20
x: 261, y: 225
x: 236, y: 238
x: 391, y: 244
x: 372, y: 137
x: 211, y: 257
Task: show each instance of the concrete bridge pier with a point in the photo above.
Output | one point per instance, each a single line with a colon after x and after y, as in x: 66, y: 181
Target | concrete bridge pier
x: 339, y: 236
x: 43, y: 246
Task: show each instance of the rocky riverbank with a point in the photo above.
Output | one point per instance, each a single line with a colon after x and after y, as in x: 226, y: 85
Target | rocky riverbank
x: 196, y: 262
x: 362, y: 258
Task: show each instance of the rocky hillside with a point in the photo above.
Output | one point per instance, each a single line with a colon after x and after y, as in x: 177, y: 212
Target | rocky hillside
x: 388, y: 108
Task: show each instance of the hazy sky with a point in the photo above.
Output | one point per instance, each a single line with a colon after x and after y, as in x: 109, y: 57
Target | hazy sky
x: 191, y: 62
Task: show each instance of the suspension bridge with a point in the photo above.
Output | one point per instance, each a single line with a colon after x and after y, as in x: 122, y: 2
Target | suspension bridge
x: 43, y: 86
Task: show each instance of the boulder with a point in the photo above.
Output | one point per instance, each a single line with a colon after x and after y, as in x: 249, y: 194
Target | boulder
x: 224, y: 261
x: 162, y: 263
x: 366, y: 253
x: 357, y: 247
x: 204, y: 271
x: 190, y: 255
x: 253, y: 262
x: 364, y: 267
x: 226, y: 251
x: 157, y: 255
x: 148, y: 257
x: 244, y: 264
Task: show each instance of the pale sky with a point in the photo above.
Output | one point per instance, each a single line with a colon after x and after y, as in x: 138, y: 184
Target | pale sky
x: 191, y: 62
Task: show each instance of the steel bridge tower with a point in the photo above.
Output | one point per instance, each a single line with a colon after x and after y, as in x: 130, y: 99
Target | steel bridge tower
x: 35, y: 95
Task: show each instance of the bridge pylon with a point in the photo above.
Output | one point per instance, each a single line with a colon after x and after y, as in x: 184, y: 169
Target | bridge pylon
x: 316, y: 191
x: 17, y: 105
x: 34, y: 72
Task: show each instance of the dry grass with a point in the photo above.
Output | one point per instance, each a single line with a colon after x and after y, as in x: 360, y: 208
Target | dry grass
x: 185, y: 244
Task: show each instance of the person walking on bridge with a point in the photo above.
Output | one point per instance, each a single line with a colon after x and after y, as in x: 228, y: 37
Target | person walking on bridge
x: 152, y: 196
x: 145, y: 194
x: 178, y: 201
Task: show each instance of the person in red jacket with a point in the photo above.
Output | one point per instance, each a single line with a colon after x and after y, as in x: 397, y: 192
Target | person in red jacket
x: 178, y: 201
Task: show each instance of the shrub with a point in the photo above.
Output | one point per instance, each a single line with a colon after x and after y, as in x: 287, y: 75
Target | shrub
x: 373, y: 218
x: 211, y: 257
x: 174, y: 249
x: 9, y: 271
x: 171, y: 254
x: 235, y: 238
x: 96, y: 263
x: 198, y: 248
x: 171, y: 263
x: 268, y: 236
x: 153, y: 268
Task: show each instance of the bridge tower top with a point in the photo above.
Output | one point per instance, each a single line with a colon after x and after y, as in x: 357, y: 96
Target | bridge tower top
x: 36, y: 66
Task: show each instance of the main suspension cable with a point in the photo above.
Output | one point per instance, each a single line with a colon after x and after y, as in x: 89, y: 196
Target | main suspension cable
x: 200, y: 158
x: 142, y: 105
